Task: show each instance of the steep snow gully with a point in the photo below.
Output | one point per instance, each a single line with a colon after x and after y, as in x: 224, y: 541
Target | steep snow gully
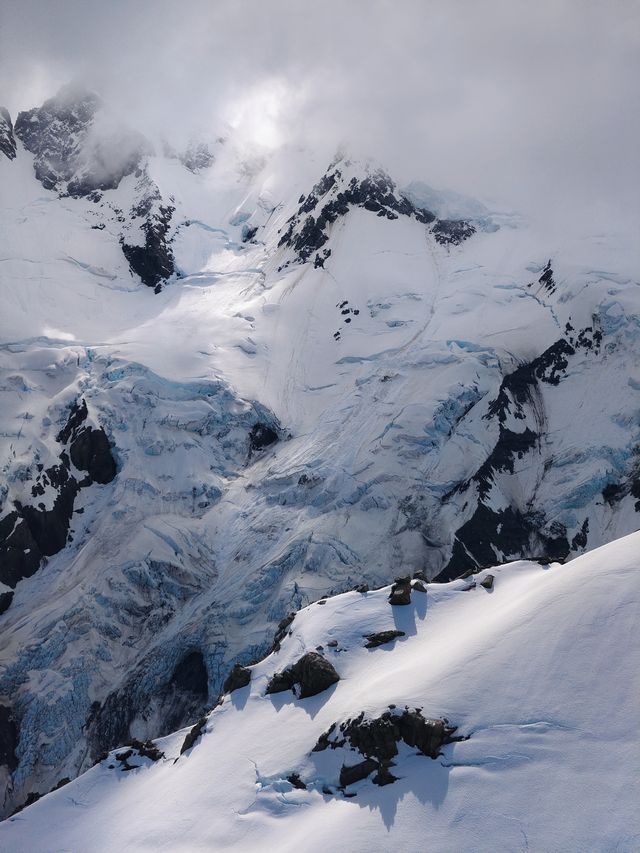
x: 233, y: 382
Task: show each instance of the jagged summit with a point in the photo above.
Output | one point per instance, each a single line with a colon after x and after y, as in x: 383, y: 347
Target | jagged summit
x: 73, y: 153
x: 347, y: 184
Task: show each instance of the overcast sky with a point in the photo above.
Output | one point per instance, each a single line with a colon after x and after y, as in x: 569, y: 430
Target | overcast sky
x: 531, y: 103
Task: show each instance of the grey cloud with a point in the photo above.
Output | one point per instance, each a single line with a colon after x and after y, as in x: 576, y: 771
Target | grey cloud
x: 533, y: 104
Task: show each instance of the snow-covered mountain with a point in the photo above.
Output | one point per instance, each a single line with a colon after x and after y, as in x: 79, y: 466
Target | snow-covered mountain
x: 494, y: 713
x: 234, y: 381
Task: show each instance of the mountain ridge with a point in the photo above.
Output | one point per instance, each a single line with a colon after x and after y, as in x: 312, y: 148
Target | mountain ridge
x: 526, y: 664
x: 283, y: 424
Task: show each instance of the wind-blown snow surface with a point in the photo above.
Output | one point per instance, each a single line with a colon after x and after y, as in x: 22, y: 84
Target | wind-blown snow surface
x: 383, y: 368
x: 542, y: 673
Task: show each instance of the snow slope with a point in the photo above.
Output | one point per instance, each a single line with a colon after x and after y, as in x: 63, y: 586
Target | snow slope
x: 437, y: 405
x: 541, y: 673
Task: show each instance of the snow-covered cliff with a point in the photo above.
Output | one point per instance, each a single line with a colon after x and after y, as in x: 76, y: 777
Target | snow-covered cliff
x: 336, y: 380
x: 502, y: 716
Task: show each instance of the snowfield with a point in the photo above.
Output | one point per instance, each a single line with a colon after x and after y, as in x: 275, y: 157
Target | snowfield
x: 336, y: 381
x: 541, y: 673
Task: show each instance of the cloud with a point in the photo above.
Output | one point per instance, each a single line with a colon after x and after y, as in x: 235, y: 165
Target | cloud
x: 534, y: 104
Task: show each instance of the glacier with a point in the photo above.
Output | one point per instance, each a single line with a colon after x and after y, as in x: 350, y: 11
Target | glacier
x: 309, y: 378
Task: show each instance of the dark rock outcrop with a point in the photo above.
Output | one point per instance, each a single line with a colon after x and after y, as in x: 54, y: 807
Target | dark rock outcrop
x: 190, y: 674
x: 509, y: 447
x: 281, y: 631
x: 153, y: 261
x: 546, y: 281
x: 489, y: 535
x: 312, y: 674
x: 67, y: 158
x: 296, y: 781
x: 510, y: 532
x: 183, y: 697
x: 74, y: 158
x: 261, y: 436
x: 401, y: 591
x: 7, y: 139
x: 193, y: 735
x: 517, y: 388
x: 377, y: 739
x: 89, y: 448
x: 55, y: 133
x: 239, y: 677
x: 29, y: 533
x: 32, y: 797
x: 349, y: 774
x: 382, y: 637
x: 452, y: 232
x: 150, y: 255
x: 384, y: 776
x: 487, y: 582
x: 138, y: 749
x: 331, y: 197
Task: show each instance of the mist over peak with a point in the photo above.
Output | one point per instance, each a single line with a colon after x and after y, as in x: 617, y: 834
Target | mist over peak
x: 534, y: 106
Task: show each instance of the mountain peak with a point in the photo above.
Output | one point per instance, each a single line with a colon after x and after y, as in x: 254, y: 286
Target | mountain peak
x: 77, y: 149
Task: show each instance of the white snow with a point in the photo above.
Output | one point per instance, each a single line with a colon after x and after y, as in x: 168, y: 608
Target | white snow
x: 389, y: 416
x: 542, y: 673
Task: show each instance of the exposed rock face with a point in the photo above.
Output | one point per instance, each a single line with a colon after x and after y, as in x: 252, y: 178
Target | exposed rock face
x: 239, y: 677
x: 193, y: 735
x: 138, y: 749
x: 281, y: 631
x: 55, y: 134
x: 296, y: 781
x: 332, y: 197
x: 334, y: 194
x: 89, y: 448
x: 7, y: 139
x: 377, y: 741
x: 76, y: 154
x: 351, y: 773
x: 32, y: 798
x: 31, y: 532
x: 401, y: 591
x: 68, y: 158
x: 312, y: 673
x: 379, y: 737
x: 379, y: 639
x: 518, y: 413
x: 146, y: 242
x: 452, y: 231
x: 261, y: 436
x: 546, y: 281
x: 190, y: 674
x: 183, y: 697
